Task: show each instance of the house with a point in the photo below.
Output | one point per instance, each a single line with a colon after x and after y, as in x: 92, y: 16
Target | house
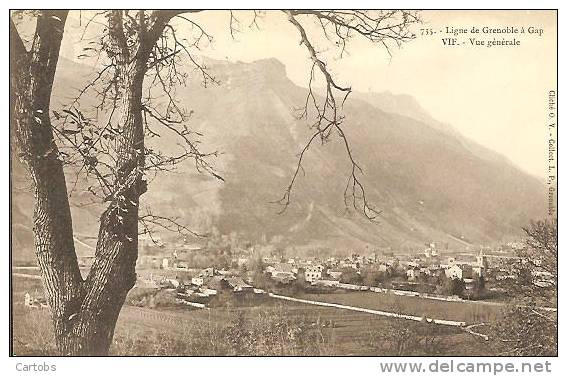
x: 413, y: 264
x: 165, y: 263
x: 226, y: 273
x: 383, y: 268
x: 335, y: 274
x: 450, y: 261
x: 319, y: 267
x: 413, y: 274
x: 283, y: 277
x: 349, y: 265
x: 465, y: 272
x: 28, y: 301
x: 217, y: 282
x: 454, y: 272
x: 183, y: 265
x: 170, y: 282
x: 331, y: 261
x: 148, y: 261
x: 208, y: 272
x: 238, y: 285
x: 32, y: 302
x: 313, y: 273
x: 197, y: 281
x: 434, y: 271
x: 270, y: 260
x: 283, y: 268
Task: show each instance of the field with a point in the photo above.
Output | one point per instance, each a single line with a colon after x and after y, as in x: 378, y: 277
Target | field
x: 469, y: 312
x: 274, y: 328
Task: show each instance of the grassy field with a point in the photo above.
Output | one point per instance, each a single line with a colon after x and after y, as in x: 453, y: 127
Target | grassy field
x: 274, y: 328
x: 437, y: 309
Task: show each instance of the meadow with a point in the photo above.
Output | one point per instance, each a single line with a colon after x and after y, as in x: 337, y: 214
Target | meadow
x: 272, y: 328
x: 470, y: 312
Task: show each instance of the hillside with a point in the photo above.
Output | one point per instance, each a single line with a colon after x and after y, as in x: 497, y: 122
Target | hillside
x: 430, y: 182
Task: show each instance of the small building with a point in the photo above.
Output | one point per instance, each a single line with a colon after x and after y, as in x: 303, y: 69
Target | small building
x: 32, y: 302
x: 218, y: 283
x: 283, y: 268
x: 413, y: 274
x: 413, y: 264
x: 313, y: 273
x: 28, y: 301
x: 383, y: 268
x: 270, y: 260
x: 454, y: 272
x: 209, y: 292
x: 335, y: 274
x: 238, y: 284
x: 283, y: 277
x: 208, y: 272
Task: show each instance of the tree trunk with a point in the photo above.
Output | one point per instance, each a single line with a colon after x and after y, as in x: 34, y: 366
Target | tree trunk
x: 84, y: 312
x: 31, y: 81
x: 113, y: 272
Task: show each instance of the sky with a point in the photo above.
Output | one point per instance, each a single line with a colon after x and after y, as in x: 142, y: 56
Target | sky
x: 495, y: 96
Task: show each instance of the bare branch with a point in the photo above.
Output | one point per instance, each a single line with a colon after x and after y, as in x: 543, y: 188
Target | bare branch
x: 150, y: 221
x: 382, y: 27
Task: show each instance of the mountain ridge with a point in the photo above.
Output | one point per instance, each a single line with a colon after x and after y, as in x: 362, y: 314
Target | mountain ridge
x: 423, y: 176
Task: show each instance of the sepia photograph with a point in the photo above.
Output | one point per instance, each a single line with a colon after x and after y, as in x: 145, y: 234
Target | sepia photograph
x: 283, y: 183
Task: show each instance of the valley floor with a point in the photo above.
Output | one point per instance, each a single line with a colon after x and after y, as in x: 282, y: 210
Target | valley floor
x: 273, y: 328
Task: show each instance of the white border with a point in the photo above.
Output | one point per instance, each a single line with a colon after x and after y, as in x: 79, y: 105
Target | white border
x: 245, y: 366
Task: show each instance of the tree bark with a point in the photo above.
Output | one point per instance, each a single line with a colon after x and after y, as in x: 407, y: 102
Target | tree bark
x: 85, y: 312
x: 31, y: 81
x: 113, y: 272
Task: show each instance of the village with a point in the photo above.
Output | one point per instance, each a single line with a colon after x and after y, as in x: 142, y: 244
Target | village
x: 245, y: 275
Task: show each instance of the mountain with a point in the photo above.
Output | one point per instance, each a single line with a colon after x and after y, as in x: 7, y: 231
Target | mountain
x: 431, y: 183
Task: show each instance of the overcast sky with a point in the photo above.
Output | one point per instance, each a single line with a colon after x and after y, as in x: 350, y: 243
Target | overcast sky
x: 496, y: 96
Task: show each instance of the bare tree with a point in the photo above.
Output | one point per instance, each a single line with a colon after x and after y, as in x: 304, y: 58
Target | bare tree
x: 140, y: 53
x: 529, y: 326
